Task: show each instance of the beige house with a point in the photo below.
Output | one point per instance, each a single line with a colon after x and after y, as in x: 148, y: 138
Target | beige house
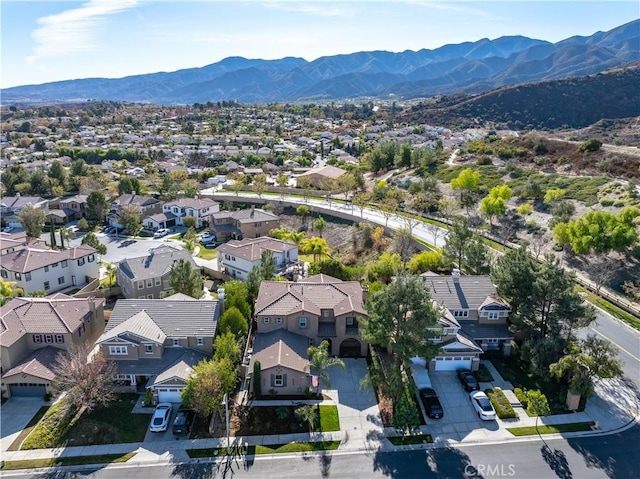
x: 323, y: 177
x: 33, y: 331
x: 237, y: 225
x: 156, y: 342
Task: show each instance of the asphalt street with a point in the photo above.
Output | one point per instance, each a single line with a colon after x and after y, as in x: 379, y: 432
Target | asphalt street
x: 613, y: 456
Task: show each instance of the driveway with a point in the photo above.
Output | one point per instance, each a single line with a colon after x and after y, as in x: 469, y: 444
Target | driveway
x: 168, y: 434
x: 15, y: 414
x: 357, y: 406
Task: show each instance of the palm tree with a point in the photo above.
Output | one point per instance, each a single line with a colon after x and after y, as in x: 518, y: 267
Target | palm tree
x: 319, y: 225
x: 111, y: 274
x: 319, y: 362
x: 8, y: 290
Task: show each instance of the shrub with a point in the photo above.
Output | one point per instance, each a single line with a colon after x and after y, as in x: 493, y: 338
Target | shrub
x: 591, y: 145
x: 606, y: 201
x: 501, y: 404
x: 619, y: 204
x: 524, y: 209
x: 148, y: 397
x: 83, y: 225
x: 484, y: 160
x: 537, y: 404
x: 522, y: 397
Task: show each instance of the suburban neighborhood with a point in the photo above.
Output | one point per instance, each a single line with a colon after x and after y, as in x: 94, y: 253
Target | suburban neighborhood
x: 229, y: 280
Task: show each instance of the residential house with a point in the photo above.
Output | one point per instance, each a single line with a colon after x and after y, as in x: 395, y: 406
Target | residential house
x: 33, y: 331
x: 10, y: 242
x: 148, y: 276
x: 474, y: 320
x: 323, y: 176
x: 74, y: 206
x: 38, y: 268
x: 143, y: 205
x: 249, y: 223
x: 200, y: 208
x: 10, y: 207
x: 155, y: 343
x: 238, y: 258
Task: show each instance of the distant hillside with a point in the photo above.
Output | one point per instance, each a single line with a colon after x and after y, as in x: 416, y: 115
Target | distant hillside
x: 568, y: 103
x: 470, y: 67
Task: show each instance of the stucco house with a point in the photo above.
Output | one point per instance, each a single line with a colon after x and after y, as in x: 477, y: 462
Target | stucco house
x: 11, y: 206
x: 148, y: 276
x: 249, y: 223
x: 323, y: 176
x: 143, y: 205
x: 33, y: 331
x: 199, y: 208
x: 156, y: 342
x: 238, y: 258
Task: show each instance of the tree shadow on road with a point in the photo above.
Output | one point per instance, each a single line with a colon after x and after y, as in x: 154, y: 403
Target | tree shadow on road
x: 557, y: 461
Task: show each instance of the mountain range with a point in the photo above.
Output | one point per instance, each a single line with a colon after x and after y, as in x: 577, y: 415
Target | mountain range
x: 469, y: 67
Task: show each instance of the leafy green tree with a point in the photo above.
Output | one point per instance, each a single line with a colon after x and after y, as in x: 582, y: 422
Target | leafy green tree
x: 335, y: 268
x: 467, y: 180
x: 257, y: 380
x: 309, y: 415
x: 320, y: 361
x: 8, y: 290
x: 207, y: 385
x: 552, y: 195
x: 400, y: 316
x: 591, y: 145
x: 477, y: 256
x: 316, y: 246
x: 97, y: 206
x: 233, y: 321
x: 83, y: 224
x: 184, y: 279
x: 226, y: 346
x: 540, y: 353
x: 259, y: 185
x: 128, y: 185
x: 346, y: 184
x: 189, y: 222
x: 92, y: 240
x: 303, y: 212
x: 406, y: 418
x: 385, y: 267
x: 537, y: 404
x: 513, y: 274
x: 426, y: 261
x: 496, y: 203
x: 58, y: 172
x: 130, y: 220
x: 587, y: 360
x: 32, y: 220
x: 458, y: 239
x: 235, y: 295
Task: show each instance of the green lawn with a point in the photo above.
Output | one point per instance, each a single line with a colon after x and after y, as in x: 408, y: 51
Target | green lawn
x: 483, y: 374
x: 15, y: 445
x: 112, y: 425
x: 610, y: 308
x: 207, y: 254
x: 268, y: 449
x: 410, y: 440
x: 66, y: 461
x: 559, y: 428
x: 329, y: 420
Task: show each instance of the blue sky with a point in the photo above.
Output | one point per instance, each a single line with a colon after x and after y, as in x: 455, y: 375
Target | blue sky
x: 44, y: 41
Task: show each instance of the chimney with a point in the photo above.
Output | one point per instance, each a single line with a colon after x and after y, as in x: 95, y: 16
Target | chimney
x: 455, y: 275
x: 221, y: 299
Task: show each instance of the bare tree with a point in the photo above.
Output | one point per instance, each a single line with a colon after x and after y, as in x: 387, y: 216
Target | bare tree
x: 88, y: 382
x: 537, y: 244
x: 601, y: 270
x: 436, y: 231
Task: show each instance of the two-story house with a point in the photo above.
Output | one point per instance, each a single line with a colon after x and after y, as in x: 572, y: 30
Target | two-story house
x: 74, y: 206
x: 148, y: 276
x: 474, y: 320
x: 199, y: 208
x: 156, y: 342
x: 38, y: 268
x: 238, y: 258
x: 11, y: 206
x: 33, y: 331
x: 291, y: 317
x: 249, y: 223
x: 143, y: 205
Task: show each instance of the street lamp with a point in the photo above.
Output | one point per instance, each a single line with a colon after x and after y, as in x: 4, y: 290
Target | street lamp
x: 225, y: 401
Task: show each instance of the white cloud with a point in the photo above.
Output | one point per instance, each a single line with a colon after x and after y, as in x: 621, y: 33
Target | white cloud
x: 318, y: 9
x: 73, y: 31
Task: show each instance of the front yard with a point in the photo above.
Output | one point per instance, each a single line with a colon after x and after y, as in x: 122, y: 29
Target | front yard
x: 112, y: 425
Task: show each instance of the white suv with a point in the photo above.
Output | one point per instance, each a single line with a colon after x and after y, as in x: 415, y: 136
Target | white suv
x: 161, y: 232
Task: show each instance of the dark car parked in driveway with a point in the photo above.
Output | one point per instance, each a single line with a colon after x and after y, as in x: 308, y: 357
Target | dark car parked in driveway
x: 183, y: 421
x: 431, y: 403
x: 468, y: 380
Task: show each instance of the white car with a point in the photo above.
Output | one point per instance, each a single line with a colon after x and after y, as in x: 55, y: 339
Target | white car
x: 161, y: 232
x: 482, y: 405
x: 8, y: 229
x: 161, y: 416
x: 206, y: 238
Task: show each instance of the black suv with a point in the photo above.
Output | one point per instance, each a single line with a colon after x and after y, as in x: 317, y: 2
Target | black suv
x: 431, y: 403
x: 183, y: 421
x: 468, y: 380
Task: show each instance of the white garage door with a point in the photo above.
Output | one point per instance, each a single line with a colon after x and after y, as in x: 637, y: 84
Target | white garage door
x: 452, y: 363
x: 169, y: 395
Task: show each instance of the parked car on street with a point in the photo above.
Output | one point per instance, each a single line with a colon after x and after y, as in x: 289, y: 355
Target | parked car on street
x: 8, y: 229
x: 468, y: 380
x: 161, y: 416
x: 161, y: 232
x: 183, y: 421
x: 483, y: 406
x: 431, y: 403
x: 206, y: 238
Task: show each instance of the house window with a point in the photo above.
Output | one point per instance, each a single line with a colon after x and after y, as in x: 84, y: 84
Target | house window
x: 64, y: 263
x: 200, y: 341
x: 92, y: 258
x: 80, y: 261
x: 493, y: 315
x: 350, y: 321
x: 4, y: 274
x: 59, y: 338
x: 148, y: 348
x: 48, y: 338
x: 18, y: 276
x: 325, y: 313
x: 279, y: 320
x: 302, y: 323
x: 176, y: 341
x: 46, y: 269
x: 461, y: 313
x: 37, y: 338
x: 150, y: 296
x: 27, y: 276
x: 61, y: 280
x: 55, y: 265
x: 140, y: 284
x: 278, y: 380
x: 118, y: 350
x: 149, y: 283
x: 158, y: 281
x: 46, y: 286
x: 265, y: 320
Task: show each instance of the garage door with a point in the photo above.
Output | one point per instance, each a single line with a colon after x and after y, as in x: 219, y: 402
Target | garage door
x: 28, y: 389
x: 453, y: 363
x: 169, y: 395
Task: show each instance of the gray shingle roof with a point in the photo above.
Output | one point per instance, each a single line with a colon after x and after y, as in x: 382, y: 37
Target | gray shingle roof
x: 467, y: 344
x: 157, y: 367
x: 32, y: 258
x: 155, y: 264
x: 175, y: 318
x: 480, y: 331
x: 195, y: 203
x: 39, y: 364
x: 249, y: 215
x: 251, y: 249
x: 182, y: 368
x: 469, y: 292
x: 280, y: 348
x: 138, y: 327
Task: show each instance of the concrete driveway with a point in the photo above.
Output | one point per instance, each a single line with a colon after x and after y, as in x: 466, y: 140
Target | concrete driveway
x: 168, y: 434
x: 15, y: 414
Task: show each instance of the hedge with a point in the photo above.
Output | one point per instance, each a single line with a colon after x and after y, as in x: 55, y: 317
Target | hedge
x: 522, y: 397
x: 501, y: 404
